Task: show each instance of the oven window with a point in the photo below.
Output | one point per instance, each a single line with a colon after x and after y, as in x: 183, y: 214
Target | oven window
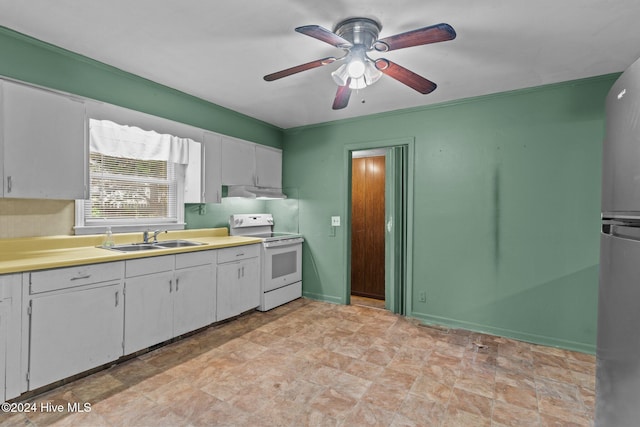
x: 283, y: 264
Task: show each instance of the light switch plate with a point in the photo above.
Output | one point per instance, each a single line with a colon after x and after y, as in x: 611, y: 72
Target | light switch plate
x: 335, y: 221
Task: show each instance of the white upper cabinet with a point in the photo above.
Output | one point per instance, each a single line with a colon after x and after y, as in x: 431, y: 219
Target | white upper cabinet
x: 268, y: 167
x: 238, y: 162
x: 203, y: 179
x: 250, y: 164
x: 193, y: 192
x: 211, y: 170
x: 44, y: 144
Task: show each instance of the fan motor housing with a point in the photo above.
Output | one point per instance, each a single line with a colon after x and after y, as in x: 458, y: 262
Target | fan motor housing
x: 359, y: 31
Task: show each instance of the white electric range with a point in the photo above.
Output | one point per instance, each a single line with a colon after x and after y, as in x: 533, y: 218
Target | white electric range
x: 281, y: 260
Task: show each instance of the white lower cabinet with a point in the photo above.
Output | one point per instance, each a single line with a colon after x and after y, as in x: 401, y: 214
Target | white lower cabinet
x: 73, y: 328
x: 194, y: 299
x: 167, y: 296
x: 148, y: 307
x: 10, y: 333
x: 61, y: 322
x: 238, y: 280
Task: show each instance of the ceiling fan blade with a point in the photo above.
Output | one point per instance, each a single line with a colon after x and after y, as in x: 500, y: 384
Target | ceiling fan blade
x: 322, y: 34
x: 409, y: 78
x: 433, y: 34
x: 299, y: 68
x: 342, y: 96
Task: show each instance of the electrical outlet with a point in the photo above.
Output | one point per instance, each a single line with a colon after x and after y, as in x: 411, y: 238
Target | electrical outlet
x: 422, y: 297
x: 335, y: 221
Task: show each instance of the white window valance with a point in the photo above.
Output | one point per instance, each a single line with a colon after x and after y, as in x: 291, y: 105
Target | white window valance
x: 112, y: 139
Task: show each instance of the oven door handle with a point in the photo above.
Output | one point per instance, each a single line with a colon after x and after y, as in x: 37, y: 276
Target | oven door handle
x: 283, y: 243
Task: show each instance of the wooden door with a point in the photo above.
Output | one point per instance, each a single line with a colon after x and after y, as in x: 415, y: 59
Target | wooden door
x: 367, y: 227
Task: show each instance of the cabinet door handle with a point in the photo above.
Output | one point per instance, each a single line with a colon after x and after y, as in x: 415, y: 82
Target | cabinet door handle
x: 243, y: 271
x: 9, y: 184
x: 177, y: 284
x: 238, y: 273
x: 170, y: 285
x: 86, y: 276
x: 117, y: 298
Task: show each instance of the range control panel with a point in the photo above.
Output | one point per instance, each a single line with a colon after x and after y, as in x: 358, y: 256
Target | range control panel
x: 250, y: 220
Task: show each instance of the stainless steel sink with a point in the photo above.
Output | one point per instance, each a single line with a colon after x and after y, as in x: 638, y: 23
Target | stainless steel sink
x: 167, y: 244
x: 134, y: 247
x: 177, y: 243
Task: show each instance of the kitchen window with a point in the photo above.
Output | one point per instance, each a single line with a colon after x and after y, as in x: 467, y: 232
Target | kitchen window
x: 136, y: 180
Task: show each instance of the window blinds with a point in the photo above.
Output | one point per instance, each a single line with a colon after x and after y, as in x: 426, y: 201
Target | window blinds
x: 130, y: 189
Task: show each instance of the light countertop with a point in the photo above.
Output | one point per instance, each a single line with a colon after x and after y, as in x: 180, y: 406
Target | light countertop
x: 39, y: 253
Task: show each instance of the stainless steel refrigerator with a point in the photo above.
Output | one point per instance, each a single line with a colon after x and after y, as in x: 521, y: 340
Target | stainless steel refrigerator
x: 618, y: 348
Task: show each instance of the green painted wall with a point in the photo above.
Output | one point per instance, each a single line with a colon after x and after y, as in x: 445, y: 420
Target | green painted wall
x: 506, y: 209
x: 30, y: 60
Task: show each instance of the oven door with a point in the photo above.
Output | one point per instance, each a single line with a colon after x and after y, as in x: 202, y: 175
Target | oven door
x: 282, y: 264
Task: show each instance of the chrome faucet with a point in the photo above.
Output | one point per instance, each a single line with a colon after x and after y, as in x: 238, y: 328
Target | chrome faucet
x: 145, y: 235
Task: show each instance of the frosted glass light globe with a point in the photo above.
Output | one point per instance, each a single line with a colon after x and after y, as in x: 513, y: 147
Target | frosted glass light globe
x: 355, y: 68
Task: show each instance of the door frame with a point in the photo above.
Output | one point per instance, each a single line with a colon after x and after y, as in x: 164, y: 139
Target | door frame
x: 409, y: 144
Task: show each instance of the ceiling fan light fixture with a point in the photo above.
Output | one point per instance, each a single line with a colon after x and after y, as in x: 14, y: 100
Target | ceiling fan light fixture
x: 357, y: 80
x: 341, y: 75
x: 371, y: 73
x: 359, y: 83
x: 356, y: 68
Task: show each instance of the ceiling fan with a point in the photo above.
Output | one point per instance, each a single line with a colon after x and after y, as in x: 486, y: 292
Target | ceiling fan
x: 357, y: 36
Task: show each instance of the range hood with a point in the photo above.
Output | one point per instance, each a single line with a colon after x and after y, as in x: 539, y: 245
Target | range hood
x: 249, y: 192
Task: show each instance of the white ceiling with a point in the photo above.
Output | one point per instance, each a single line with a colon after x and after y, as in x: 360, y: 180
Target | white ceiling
x: 219, y: 51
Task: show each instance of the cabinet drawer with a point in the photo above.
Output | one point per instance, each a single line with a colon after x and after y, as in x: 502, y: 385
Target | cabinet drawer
x: 69, y: 277
x: 193, y: 259
x: 237, y: 253
x: 143, y: 266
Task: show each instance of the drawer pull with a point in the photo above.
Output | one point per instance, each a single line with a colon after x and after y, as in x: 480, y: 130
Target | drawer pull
x: 81, y: 277
x: 240, y: 254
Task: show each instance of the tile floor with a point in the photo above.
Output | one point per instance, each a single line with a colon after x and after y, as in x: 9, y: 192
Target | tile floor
x: 310, y: 363
x: 367, y: 302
